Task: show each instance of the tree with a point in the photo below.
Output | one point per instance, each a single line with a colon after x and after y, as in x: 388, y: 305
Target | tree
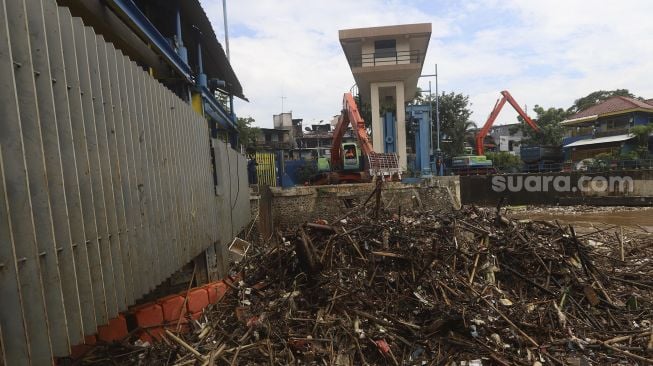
x: 247, y: 132
x: 455, y: 124
x: 597, y: 97
x: 548, y: 120
x: 642, y: 135
x: 504, y: 161
x: 454, y: 121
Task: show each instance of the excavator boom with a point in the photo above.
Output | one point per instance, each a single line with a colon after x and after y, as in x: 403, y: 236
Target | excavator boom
x: 378, y: 163
x: 506, y: 97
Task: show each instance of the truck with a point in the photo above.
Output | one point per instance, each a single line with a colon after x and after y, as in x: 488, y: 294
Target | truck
x: 471, y: 165
x: 541, y: 158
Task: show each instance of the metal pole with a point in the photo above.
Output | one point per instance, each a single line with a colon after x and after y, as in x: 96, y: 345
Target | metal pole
x: 226, y: 43
x: 226, y: 28
x: 437, y: 107
x: 430, y: 120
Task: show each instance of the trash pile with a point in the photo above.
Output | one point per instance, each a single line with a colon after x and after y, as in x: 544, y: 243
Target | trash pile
x: 470, y: 287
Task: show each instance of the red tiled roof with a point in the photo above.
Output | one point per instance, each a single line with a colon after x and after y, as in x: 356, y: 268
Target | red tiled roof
x: 614, y: 104
x: 649, y: 101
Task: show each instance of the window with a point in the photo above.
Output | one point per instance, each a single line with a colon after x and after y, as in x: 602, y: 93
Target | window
x: 385, y: 48
x: 616, y: 123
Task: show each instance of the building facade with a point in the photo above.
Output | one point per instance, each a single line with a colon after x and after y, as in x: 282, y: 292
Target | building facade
x: 386, y: 63
x: 605, y: 128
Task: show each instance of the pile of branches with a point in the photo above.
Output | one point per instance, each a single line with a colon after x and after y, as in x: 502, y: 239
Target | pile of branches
x: 470, y: 287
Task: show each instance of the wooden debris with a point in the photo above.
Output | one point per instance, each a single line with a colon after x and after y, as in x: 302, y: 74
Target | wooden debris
x: 377, y: 287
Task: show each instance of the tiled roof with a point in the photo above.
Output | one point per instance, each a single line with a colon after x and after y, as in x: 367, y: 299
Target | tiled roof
x: 614, y: 104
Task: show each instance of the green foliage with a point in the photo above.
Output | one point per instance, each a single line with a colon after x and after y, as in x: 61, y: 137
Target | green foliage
x: 454, y: 121
x: 597, y: 97
x: 504, y: 160
x: 642, y: 134
x: 548, y: 120
x: 365, y: 111
x: 630, y: 155
x: 223, y: 99
x: 247, y: 133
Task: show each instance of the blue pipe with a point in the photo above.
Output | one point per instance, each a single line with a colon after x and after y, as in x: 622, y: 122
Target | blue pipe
x: 216, y: 111
x: 130, y: 11
x: 181, y: 50
x: 202, y: 80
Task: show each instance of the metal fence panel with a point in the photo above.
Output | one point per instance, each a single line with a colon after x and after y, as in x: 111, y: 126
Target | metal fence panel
x: 69, y: 229
x: 58, y: 287
x: 89, y: 277
x: 27, y: 191
x: 266, y: 169
x: 111, y: 176
x: 106, y: 182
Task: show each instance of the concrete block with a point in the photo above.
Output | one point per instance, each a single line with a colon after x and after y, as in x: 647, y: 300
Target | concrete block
x: 150, y: 317
x: 78, y: 351
x: 172, y: 307
x: 216, y: 291
x: 116, y: 330
x: 198, y: 299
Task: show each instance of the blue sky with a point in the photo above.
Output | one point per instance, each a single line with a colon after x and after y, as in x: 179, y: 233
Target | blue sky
x: 544, y: 52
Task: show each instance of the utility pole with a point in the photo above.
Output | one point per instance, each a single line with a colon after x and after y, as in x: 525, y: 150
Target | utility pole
x: 437, y: 107
x: 437, y: 114
x: 282, y: 98
x: 226, y: 28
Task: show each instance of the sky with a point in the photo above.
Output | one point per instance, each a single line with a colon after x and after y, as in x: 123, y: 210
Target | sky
x: 547, y: 53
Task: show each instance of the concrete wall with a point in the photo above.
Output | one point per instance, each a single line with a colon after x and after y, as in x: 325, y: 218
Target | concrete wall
x: 285, y: 208
x: 636, y: 189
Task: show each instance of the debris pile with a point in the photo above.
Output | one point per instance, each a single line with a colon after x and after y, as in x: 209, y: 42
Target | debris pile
x: 470, y: 287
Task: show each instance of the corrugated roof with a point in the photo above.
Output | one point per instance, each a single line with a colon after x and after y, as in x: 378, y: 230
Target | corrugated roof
x: 601, y: 140
x: 217, y: 64
x: 611, y: 105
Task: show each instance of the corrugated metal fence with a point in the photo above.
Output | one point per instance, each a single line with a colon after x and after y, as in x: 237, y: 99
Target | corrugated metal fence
x: 106, y: 186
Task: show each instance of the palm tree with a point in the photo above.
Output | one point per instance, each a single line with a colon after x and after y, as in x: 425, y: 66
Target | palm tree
x: 457, y: 133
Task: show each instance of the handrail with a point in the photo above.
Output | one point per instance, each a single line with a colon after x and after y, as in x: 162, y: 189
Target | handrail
x: 387, y: 58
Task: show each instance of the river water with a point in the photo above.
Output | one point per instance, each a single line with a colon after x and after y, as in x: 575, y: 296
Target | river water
x: 640, y: 217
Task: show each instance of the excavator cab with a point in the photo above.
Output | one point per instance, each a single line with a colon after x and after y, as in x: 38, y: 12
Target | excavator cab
x: 353, y: 162
x: 351, y: 157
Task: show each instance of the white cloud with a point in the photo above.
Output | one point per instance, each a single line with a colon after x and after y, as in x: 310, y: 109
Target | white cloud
x: 546, y: 53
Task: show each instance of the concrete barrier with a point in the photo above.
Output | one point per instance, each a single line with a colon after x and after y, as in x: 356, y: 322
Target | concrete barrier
x: 284, y: 208
x: 628, y: 188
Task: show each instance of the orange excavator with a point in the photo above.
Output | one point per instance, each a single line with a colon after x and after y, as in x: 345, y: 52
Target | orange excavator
x: 506, y: 97
x: 353, y: 162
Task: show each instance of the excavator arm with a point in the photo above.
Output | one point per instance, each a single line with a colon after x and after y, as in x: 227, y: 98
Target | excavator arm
x: 506, y: 97
x: 349, y: 115
x: 379, y: 163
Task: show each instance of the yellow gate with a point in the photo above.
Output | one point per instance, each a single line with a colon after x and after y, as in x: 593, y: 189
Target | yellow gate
x: 266, y: 169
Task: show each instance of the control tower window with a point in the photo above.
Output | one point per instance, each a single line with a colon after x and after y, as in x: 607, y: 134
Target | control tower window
x: 385, y: 48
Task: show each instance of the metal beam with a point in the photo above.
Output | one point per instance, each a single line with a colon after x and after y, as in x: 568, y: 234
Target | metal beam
x: 142, y: 25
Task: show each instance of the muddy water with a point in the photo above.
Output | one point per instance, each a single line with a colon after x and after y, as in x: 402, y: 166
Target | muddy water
x: 641, y: 218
